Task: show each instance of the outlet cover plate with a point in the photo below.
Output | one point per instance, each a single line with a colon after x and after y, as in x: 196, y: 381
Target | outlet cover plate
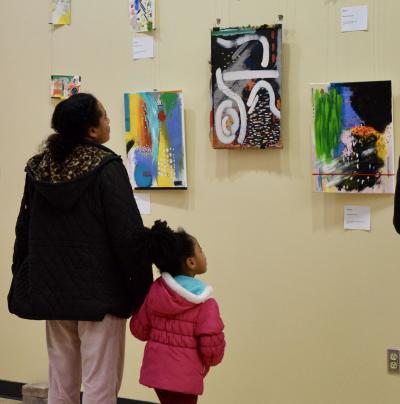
x: 393, y: 360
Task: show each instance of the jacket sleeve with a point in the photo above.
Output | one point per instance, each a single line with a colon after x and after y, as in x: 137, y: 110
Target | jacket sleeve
x: 396, y: 216
x: 209, y: 331
x: 140, y: 323
x: 22, y: 228
x: 124, y: 224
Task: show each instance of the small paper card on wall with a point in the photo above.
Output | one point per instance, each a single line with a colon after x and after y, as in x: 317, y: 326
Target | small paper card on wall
x: 60, y: 12
x: 357, y: 218
x: 354, y: 18
x: 143, y: 203
x: 143, y: 47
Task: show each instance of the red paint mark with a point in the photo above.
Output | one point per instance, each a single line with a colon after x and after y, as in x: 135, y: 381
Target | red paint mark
x: 273, y: 58
x: 273, y: 34
x: 161, y: 116
x: 250, y: 84
x: 144, y: 138
x: 273, y: 47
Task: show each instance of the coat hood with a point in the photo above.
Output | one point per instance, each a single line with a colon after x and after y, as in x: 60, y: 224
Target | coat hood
x: 169, y: 298
x: 62, y: 184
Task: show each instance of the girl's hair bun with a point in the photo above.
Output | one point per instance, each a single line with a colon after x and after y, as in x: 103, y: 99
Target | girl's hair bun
x: 161, y: 227
x: 163, y: 245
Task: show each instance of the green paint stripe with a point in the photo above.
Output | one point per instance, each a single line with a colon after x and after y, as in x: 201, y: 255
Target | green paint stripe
x: 327, y: 123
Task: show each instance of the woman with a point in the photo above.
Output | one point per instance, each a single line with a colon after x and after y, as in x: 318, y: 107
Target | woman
x: 74, y: 262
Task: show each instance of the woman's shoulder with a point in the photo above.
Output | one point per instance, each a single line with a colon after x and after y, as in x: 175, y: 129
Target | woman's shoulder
x: 84, y: 159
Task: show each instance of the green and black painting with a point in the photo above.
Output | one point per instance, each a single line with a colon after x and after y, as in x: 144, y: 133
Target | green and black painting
x: 353, y: 137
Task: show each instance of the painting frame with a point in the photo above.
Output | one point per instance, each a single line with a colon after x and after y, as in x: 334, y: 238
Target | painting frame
x: 246, y: 83
x: 155, y: 140
x: 352, y: 137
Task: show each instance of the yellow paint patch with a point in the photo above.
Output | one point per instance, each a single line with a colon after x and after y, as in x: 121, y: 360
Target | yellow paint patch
x: 381, y: 146
x: 165, y: 169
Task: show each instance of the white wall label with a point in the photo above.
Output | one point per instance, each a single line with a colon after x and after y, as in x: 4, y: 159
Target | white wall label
x: 143, y: 203
x: 357, y: 218
x: 354, y: 18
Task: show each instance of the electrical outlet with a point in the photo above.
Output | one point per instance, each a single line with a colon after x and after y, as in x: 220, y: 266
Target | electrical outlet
x: 393, y: 360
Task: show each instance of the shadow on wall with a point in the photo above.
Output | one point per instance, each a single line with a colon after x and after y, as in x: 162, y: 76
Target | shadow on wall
x: 232, y: 164
x: 328, y: 209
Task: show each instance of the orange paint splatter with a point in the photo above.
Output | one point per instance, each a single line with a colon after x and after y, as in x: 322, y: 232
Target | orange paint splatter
x: 364, y: 131
x: 250, y: 84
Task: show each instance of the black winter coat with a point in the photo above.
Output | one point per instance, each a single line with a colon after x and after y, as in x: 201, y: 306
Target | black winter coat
x: 75, y: 255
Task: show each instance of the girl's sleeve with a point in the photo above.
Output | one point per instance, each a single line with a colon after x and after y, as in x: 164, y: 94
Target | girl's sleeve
x: 209, y: 331
x: 140, y: 323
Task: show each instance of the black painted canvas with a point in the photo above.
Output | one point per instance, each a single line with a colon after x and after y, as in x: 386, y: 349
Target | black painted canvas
x: 246, y: 87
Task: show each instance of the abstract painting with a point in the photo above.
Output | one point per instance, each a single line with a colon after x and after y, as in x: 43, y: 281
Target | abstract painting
x: 65, y: 86
x: 352, y: 136
x: 142, y: 15
x: 155, y: 139
x: 246, y: 87
x: 60, y: 12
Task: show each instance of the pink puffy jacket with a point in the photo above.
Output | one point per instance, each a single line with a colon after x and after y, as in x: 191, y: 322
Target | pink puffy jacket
x: 184, y: 333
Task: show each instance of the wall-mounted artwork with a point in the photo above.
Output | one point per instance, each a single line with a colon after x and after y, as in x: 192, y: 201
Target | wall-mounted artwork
x: 246, y: 87
x: 142, y: 15
x: 65, y: 86
x: 353, y: 137
x: 60, y: 12
x: 155, y: 139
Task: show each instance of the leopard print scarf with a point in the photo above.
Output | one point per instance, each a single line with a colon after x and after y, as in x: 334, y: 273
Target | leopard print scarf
x: 83, y: 159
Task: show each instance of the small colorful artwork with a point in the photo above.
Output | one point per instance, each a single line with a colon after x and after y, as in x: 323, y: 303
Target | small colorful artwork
x: 65, y: 86
x: 353, y: 137
x: 60, y: 12
x: 155, y: 139
x: 246, y: 87
x: 142, y: 15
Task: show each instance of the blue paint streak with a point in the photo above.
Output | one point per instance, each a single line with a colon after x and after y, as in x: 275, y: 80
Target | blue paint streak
x: 137, y: 6
x: 174, y: 131
x: 349, y: 116
x: 339, y: 150
x: 127, y: 113
x: 143, y: 173
x: 153, y: 125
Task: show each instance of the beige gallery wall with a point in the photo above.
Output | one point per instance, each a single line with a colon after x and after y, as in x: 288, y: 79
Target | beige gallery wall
x: 309, y: 308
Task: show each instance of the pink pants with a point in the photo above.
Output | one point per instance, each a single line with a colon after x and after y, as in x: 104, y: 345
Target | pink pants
x: 87, y: 352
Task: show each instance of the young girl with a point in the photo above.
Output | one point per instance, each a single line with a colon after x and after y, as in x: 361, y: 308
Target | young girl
x: 179, y: 319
